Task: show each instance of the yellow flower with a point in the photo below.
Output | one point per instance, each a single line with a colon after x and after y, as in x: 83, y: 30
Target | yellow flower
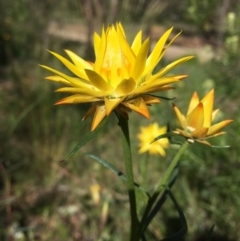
x: 121, y: 78
x: 197, y: 124
x: 148, y: 134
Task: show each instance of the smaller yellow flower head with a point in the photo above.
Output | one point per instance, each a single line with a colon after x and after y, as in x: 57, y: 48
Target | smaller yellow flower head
x: 197, y: 124
x: 148, y: 134
x: 121, y: 78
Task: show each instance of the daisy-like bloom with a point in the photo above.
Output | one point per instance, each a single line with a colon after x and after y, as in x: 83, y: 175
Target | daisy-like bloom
x: 121, y: 77
x: 197, y: 124
x: 146, y: 137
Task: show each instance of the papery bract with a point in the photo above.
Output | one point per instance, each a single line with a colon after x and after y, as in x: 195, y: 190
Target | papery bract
x: 121, y: 77
x: 197, y: 124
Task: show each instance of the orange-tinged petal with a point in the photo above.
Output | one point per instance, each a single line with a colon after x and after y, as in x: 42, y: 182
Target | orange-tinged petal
x: 196, y: 118
x: 200, y: 133
x: 140, y: 61
x: 217, y: 127
x: 208, y: 108
x: 90, y: 111
x: 98, y: 81
x: 111, y: 104
x: 180, y: 116
x: 138, y: 105
x: 137, y: 43
x: 99, y: 115
x: 149, y: 99
x: 125, y: 87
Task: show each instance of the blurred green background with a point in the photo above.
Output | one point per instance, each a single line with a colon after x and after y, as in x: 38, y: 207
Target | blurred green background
x: 45, y: 199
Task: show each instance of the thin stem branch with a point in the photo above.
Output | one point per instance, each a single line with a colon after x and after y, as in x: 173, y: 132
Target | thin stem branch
x: 162, y: 184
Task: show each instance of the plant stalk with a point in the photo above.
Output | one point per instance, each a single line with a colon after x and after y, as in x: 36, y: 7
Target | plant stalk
x: 123, y: 123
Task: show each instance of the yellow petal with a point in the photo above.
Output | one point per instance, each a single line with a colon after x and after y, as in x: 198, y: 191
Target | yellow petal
x: 168, y: 45
x: 137, y: 43
x: 74, y: 99
x: 180, y: 116
x: 77, y: 71
x: 153, y: 59
x: 217, y: 134
x: 97, y: 42
x: 217, y: 127
x: 160, y: 150
x: 208, y: 108
x: 98, y: 81
x: 214, y: 114
x: 138, y: 105
x: 78, y: 61
x: 196, y: 118
x: 82, y: 91
x: 73, y: 81
x: 125, y: 87
x: 140, y: 61
x: 99, y: 115
x: 59, y: 79
x: 101, y: 53
x: 111, y: 104
x: 120, y: 28
x: 150, y: 87
x: 193, y: 102
x: 169, y: 67
x: 128, y: 55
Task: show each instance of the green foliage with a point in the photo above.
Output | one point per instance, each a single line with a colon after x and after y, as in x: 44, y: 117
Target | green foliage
x: 51, y: 199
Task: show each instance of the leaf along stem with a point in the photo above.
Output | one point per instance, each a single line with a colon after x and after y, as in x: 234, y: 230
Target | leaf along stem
x: 162, y: 184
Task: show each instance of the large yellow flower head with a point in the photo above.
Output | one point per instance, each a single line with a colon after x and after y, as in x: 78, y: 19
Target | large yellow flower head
x: 121, y: 78
x: 146, y: 137
x: 197, y: 124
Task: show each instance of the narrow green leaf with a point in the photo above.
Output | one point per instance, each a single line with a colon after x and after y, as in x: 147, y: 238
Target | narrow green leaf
x: 220, y: 146
x: 116, y: 171
x: 210, y: 233
x: 183, y: 221
x: 160, y: 202
x: 165, y: 135
x: 89, y: 137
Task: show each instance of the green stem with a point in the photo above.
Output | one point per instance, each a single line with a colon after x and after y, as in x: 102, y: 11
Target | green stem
x: 162, y: 184
x: 143, y: 169
x: 123, y: 123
